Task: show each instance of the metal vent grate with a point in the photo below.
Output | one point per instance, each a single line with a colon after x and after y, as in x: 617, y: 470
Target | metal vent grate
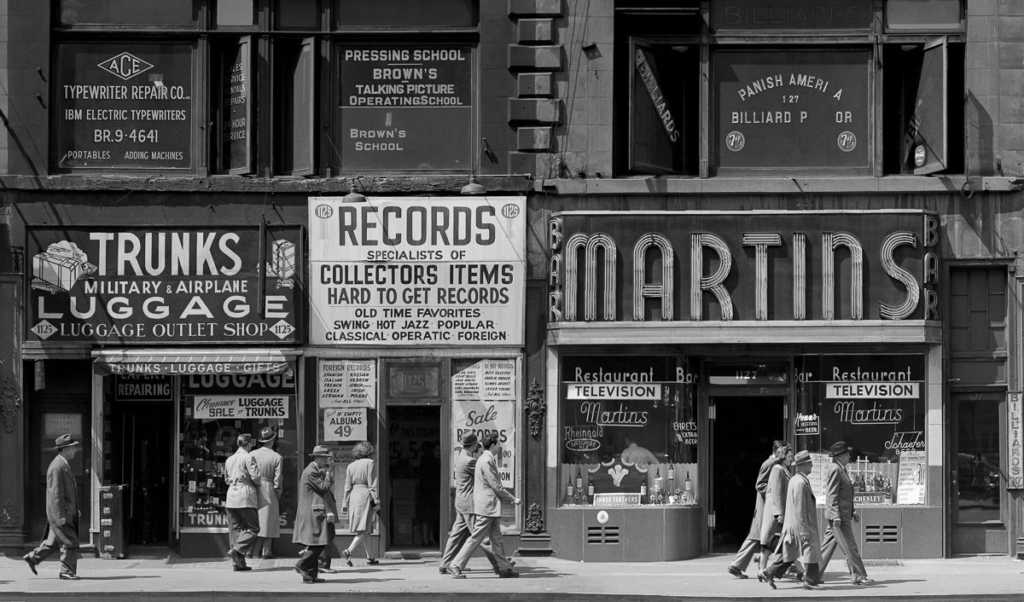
x: 603, y: 535
x: 881, y: 533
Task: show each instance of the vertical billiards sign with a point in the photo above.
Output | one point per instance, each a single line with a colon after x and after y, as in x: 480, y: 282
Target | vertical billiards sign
x: 123, y: 106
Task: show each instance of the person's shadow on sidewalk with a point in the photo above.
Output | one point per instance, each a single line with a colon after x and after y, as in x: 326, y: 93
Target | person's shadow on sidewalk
x: 847, y: 586
x: 115, y: 577
x: 538, y: 573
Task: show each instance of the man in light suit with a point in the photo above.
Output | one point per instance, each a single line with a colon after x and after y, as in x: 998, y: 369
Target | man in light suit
x: 487, y: 497
x: 839, y: 514
x: 465, y: 469
x: 268, y: 462
x: 61, y: 511
x: 242, y: 475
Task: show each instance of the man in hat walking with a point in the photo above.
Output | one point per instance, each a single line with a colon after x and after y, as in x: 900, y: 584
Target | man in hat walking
x: 316, y: 504
x: 753, y: 541
x: 61, y: 511
x: 241, y: 501
x: 465, y: 467
x: 800, y: 536
x: 268, y: 464
x: 840, y: 514
x: 487, y: 497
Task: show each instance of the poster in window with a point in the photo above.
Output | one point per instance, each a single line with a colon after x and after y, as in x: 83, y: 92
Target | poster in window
x: 124, y: 106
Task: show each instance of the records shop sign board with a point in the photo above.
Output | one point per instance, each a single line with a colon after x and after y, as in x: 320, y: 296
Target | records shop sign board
x: 142, y: 286
x: 417, y: 271
x: 123, y: 106
x: 398, y: 102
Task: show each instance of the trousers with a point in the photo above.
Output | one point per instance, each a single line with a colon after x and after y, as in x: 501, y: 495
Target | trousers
x: 840, y: 533
x: 484, y: 527
x: 245, y: 523
x: 64, y: 536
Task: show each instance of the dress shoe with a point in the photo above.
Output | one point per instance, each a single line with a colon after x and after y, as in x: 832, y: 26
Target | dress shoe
x: 456, y: 572
x: 31, y: 562
x: 69, y: 576
x: 372, y: 561
x: 811, y: 585
x: 442, y: 569
x: 348, y: 557
x: 736, y: 572
x: 242, y: 567
x: 766, y: 578
x: 508, y: 573
x: 312, y: 580
x: 863, y: 581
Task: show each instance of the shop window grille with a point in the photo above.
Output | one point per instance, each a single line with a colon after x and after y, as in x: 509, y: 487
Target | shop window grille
x: 881, y: 533
x: 603, y: 535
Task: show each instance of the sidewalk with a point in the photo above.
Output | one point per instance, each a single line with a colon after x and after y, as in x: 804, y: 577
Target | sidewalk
x: 197, y: 580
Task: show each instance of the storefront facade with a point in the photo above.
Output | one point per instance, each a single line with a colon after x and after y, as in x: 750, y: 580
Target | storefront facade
x: 416, y: 338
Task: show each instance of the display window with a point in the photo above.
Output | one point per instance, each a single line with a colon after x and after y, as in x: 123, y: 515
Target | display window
x: 215, y: 409
x: 876, y: 404
x: 629, y: 432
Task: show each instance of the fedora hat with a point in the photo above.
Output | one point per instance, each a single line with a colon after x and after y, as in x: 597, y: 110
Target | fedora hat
x: 65, y: 440
x: 469, y: 440
x: 267, y: 433
x: 802, y: 457
x: 838, y: 448
x: 321, y: 450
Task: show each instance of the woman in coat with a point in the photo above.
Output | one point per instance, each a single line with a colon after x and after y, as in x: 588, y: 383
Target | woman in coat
x: 800, y: 537
x: 361, y: 499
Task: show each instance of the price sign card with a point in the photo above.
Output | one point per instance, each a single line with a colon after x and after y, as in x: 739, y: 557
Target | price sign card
x: 345, y: 424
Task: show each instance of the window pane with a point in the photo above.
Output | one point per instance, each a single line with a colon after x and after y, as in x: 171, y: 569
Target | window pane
x: 124, y: 105
x: 791, y: 14
x: 405, y: 14
x: 876, y: 404
x: 658, y: 132
x: 923, y: 14
x: 629, y: 432
x: 235, y: 12
x: 293, y: 84
x: 232, y: 106
x: 977, y: 460
x: 792, y: 108
x: 126, y: 12
x: 297, y: 14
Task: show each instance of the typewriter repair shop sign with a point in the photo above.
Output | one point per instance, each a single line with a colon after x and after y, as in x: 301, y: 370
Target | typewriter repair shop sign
x: 168, y: 285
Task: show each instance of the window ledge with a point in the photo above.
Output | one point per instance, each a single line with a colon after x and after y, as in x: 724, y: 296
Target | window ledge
x: 375, y: 184
x: 782, y: 185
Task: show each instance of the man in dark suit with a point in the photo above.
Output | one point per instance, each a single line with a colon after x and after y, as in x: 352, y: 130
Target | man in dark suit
x: 487, y: 497
x: 465, y: 466
x: 316, y: 507
x: 753, y: 541
x: 839, y: 516
x: 61, y: 511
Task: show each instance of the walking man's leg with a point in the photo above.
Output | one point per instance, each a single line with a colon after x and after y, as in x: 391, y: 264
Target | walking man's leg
x: 456, y: 537
x: 828, y: 547
x: 481, y: 529
x: 845, y: 538
x: 743, y: 556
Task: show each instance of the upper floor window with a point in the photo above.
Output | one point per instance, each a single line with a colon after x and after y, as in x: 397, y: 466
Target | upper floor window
x: 791, y: 86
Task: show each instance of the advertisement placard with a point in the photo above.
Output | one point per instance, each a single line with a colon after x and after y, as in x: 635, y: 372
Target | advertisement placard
x: 485, y: 380
x: 123, y: 106
x: 140, y: 285
x: 417, y: 270
x: 345, y: 424
x: 347, y: 383
x: 212, y: 407
x: 497, y: 417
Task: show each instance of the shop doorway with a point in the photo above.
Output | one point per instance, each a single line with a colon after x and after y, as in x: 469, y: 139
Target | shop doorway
x: 743, y: 430
x: 414, y: 476
x: 141, y: 458
x: 977, y: 474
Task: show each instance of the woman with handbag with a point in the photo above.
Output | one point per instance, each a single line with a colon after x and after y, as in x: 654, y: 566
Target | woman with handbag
x: 361, y: 499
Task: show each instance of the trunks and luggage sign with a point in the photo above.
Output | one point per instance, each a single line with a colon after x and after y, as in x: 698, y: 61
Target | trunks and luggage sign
x: 116, y: 285
x: 417, y: 270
